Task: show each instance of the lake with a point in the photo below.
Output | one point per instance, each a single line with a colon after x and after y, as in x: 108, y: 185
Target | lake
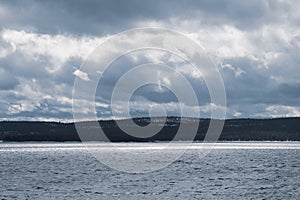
x: 243, y: 170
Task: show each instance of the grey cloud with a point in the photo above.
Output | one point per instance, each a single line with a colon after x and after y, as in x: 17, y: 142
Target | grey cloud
x: 287, y: 94
x: 255, y: 90
x: 106, y: 17
x: 253, y: 83
x: 7, y: 80
x: 19, y: 64
x: 151, y: 93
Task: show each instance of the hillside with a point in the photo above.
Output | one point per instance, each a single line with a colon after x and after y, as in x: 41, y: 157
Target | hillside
x: 278, y: 129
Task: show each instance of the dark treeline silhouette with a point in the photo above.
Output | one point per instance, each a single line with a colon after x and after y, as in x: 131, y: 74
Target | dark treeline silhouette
x: 278, y: 129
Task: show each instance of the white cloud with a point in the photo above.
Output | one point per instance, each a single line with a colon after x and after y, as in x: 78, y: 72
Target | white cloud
x: 6, y: 48
x: 281, y: 111
x: 237, y: 114
x: 23, y: 107
x: 82, y: 75
x: 237, y: 71
x: 59, y: 48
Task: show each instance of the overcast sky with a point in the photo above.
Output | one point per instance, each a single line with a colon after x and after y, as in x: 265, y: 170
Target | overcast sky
x: 255, y: 44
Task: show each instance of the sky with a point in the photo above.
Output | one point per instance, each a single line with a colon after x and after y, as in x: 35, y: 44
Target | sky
x: 255, y: 45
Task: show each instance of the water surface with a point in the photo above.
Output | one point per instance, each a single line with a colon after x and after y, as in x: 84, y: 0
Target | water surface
x: 242, y: 170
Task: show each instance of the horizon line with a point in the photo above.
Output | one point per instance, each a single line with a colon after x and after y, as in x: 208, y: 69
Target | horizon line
x: 120, y: 119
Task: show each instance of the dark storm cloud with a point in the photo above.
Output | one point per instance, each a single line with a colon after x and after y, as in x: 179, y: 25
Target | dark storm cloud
x: 106, y: 17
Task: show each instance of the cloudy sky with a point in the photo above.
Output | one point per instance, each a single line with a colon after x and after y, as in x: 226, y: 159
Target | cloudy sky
x: 255, y: 45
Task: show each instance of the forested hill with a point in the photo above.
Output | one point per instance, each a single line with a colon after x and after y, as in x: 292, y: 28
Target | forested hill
x: 279, y: 129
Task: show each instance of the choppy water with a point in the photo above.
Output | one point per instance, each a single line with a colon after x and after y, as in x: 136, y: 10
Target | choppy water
x: 232, y: 170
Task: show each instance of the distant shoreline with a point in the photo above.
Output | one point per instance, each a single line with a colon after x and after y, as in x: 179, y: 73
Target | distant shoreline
x: 273, y: 129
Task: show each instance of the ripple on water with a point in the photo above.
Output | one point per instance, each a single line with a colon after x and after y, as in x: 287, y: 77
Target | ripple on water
x: 224, y: 173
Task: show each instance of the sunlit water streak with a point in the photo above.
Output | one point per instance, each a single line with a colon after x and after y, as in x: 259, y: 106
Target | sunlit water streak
x: 49, y: 146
